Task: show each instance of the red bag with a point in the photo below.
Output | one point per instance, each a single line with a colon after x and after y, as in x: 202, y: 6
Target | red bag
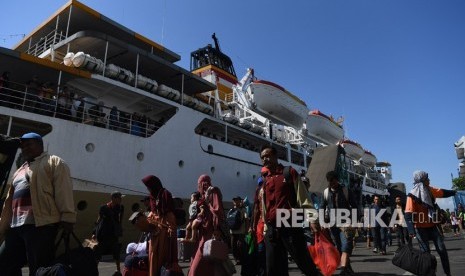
x: 324, y: 255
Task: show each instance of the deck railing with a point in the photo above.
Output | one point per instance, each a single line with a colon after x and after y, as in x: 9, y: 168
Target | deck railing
x: 22, y: 97
x: 46, y: 42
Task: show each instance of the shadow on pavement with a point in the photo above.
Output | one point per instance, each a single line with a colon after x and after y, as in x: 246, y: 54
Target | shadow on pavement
x: 376, y: 274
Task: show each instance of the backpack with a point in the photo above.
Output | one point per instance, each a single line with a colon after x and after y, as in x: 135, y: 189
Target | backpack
x: 234, y: 218
x: 77, y: 261
x: 54, y: 270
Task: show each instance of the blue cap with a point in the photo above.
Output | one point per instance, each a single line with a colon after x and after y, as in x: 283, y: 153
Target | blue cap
x: 31, y: 135
x: 259, y: 180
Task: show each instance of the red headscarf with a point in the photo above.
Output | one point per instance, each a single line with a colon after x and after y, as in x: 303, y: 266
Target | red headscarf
x: 203, y: 178
x: 161, y: 199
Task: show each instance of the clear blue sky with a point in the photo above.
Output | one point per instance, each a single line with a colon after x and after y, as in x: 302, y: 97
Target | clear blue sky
x: 395, y: 69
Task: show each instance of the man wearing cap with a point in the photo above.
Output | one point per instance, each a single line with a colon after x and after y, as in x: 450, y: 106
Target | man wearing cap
x: 109, y: 228
x: 237, y: 218
x: 39, y: 201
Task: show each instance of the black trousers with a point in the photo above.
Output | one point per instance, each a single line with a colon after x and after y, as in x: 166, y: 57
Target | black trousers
x: 280, y: 241
x: 402, y: 236
x: 36, y: 245
x: 237, y: 244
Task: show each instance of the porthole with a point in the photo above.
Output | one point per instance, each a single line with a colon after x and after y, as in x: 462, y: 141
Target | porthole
x: 181, y: 163
x: 90, y: 147
x: 212, y: 169
x: 238, y: 174
x: 140, y: 156
x: 210, y: 149
x: 135, y: 207
x: 82, y: 205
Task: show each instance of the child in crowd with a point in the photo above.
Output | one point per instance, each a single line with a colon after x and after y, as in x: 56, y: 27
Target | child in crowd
x: 195, y: 217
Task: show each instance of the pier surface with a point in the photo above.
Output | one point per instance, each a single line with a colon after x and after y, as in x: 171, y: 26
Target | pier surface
x: 364, y: 261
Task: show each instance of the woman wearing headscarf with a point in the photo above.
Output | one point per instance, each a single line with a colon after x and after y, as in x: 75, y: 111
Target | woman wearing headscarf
x: 421, y: 216
x: 163, y: 249
x: 212, y: 219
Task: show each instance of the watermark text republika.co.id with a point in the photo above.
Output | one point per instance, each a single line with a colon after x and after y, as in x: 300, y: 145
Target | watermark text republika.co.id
x: 347, y: 218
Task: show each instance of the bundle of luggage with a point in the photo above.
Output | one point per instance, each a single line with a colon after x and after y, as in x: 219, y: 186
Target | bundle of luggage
x: 415, y: 261
x: 74, y: 262
x: 135, y: 265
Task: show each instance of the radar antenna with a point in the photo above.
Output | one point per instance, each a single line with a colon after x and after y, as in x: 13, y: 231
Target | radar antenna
x: 217, y: 43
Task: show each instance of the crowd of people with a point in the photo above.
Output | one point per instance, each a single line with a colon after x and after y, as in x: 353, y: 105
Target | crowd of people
x: 45, y: 98
x: 262, y: 245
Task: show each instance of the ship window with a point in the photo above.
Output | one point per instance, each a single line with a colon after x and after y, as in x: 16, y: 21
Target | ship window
x: 238, y: 174
x: 181, y: 163
x: 254, y: 176
x: 140, y: 156
x: 90, y: 147
x: 210, y: 149
x: 82, y: 205
x: 212, y: 169
x: 135, y: 207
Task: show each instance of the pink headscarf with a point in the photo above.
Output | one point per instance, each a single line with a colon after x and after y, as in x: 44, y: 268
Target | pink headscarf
x: 203, y: 178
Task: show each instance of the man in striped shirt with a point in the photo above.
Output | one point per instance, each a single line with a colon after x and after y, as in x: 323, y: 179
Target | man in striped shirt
x: 39, y: 201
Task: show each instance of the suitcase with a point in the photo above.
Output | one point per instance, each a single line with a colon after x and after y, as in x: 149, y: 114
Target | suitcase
x: 415, y: 261
x: 215, y: 250
x: 185, y: 250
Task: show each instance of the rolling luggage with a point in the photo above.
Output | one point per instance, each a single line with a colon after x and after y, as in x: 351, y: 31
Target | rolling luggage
x: 415, y: 261
x: 215, y: 250
x: 74, y: 262
x: 185, y: 250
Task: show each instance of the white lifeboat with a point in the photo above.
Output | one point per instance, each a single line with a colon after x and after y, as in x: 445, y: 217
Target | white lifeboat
x: 352, y: 149
x: 324, y: 127
x: 271, y: 100
x: 368, y: 159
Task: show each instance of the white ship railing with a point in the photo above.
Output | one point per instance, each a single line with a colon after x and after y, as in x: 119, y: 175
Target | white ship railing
x: 46, y: 42
x: 19, y: 96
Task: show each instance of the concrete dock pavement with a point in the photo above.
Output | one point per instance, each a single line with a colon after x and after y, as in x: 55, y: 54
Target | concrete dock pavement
x: 364, y: 261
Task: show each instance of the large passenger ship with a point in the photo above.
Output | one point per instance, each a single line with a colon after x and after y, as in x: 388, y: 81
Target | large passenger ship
x: 116, y: 107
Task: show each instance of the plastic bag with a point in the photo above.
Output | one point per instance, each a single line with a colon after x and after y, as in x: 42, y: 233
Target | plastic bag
x: 324, y: 255
x: 250, y: 243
